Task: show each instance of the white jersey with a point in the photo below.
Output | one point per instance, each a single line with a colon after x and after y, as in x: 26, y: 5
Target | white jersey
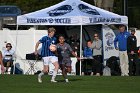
x: 8, y: 54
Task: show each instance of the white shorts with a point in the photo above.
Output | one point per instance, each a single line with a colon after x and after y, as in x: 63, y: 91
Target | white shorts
x: 50, y: 59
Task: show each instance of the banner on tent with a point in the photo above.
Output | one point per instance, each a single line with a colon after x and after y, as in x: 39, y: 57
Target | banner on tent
x: 108, y: 43
x: 104, y: 20
x: 49, y: 20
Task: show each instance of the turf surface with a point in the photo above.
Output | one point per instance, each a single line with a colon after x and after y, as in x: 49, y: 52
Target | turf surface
x: 77, y: 84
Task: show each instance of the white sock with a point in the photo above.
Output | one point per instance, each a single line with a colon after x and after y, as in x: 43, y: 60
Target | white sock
x: 41, y: 74
x: 54, y: 75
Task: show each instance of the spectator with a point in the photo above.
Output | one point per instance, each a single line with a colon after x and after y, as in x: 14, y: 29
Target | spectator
x: 97, y: 48
x: 8, y: 57
x: 97, y: 51
x: 88, y: 54
x: 64, y: 50
x: 132, y: 52
x: 121, y: 40
x: 95, y: 65
x: 1, y: 64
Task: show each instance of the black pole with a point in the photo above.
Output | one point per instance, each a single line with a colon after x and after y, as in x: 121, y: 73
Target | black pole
x: 125, y: 7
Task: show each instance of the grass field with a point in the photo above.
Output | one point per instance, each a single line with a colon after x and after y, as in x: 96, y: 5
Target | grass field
x: 77, y: 84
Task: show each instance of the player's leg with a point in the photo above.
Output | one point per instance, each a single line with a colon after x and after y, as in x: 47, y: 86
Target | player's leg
x: 54, y: 61
x: 45, y: 68
x: 64, y: 72
x: 68, y: 69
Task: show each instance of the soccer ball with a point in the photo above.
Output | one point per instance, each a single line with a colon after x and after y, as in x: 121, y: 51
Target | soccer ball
x: 53, y: 47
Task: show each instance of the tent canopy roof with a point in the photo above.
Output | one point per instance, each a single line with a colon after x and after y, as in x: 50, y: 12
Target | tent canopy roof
x: 71, y: 12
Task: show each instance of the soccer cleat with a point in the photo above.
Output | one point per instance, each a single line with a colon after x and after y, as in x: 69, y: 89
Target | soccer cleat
x: 39, y: 79
x: 53, y: 81
x: 66, y: 80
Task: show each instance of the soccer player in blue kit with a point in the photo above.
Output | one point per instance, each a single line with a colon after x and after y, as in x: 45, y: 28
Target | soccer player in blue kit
x: 48, y: 55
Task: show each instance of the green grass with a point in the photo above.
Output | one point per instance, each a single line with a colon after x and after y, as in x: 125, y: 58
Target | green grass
x: 77, y: 84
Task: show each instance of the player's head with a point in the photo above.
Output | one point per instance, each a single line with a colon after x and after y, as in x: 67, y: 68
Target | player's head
x: 61, y: 39
x: 51, y: 31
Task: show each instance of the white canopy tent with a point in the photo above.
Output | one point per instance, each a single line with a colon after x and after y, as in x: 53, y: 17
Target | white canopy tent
x: 71, y: 12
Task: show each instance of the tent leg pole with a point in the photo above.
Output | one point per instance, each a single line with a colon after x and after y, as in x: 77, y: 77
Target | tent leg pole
x: 81, y: 32
x: 14, y: 66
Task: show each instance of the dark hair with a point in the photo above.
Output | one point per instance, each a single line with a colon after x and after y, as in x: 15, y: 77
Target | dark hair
x: 8, y: 44
x: 133, y: 30
x: 61, y: 36
x: 89, y: 41
x: 122, y: 26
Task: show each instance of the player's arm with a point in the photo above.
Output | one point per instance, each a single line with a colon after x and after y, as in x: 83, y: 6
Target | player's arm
x: 73, y: 53
x: 36, y: 47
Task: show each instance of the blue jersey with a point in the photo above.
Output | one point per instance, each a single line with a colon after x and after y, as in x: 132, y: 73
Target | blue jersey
x: 121, y: 38
x: 46, y: 42
x: 88, y: 52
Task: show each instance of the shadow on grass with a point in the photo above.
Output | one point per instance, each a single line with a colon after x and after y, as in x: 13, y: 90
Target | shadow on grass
x: 73, y: 80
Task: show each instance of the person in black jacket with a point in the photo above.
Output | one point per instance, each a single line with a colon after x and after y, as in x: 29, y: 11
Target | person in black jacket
x: 132, y: 52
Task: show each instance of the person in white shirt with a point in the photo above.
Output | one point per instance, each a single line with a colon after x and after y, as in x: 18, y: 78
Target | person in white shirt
x: 8, y: 55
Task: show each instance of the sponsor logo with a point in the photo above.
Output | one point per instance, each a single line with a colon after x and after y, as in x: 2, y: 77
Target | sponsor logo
x: 62, y: 10
x: 106, y: 20
x: 50, y: 20
x: 87, y: 9
x: 109, y: 41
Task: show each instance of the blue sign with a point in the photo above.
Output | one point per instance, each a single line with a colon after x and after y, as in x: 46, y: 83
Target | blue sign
x: 62, y: 10
x: 87, y: 9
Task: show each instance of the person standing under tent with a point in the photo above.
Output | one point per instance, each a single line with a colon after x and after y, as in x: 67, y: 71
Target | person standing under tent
x: 48, y: 55
x: 120, y: 43
x: 132, y: 52
x: 64, y: 50
x: 97, y: 50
